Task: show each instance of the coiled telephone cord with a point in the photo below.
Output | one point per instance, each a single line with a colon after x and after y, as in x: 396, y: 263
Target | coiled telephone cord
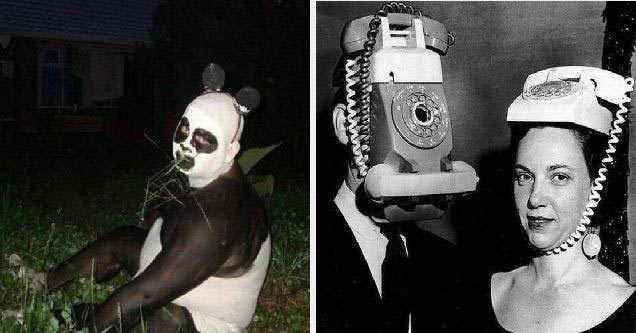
x: 360, y: 152
x: 358, y: 116
x: 597, y: 186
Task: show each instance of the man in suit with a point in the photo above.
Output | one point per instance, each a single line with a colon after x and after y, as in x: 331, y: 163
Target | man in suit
x: 354, y: 292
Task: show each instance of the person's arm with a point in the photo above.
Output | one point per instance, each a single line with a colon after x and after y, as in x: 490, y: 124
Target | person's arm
x: 192, y: 251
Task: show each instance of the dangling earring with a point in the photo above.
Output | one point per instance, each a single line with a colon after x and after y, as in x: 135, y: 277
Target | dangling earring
x: 591, y: 244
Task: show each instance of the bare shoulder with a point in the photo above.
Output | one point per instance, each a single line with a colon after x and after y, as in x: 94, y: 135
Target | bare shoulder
x: 611, y: 285
x: 599, y: 294
x: 501, y: 283
x: 503, y: 280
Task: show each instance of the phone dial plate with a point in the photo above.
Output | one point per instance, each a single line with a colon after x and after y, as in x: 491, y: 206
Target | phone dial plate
x: 420, y: 116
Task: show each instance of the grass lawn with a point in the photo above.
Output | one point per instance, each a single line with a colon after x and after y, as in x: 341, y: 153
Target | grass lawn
x: 51, y: 205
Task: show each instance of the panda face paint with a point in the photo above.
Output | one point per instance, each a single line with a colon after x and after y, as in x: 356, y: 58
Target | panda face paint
x: 183, y: 130
x: 201, y: 142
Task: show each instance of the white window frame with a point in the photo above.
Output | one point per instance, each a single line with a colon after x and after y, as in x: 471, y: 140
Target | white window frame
x: 40, y: 64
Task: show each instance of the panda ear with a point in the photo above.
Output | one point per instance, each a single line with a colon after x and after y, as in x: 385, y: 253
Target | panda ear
x: 213, y: 77
x: 248, y: 99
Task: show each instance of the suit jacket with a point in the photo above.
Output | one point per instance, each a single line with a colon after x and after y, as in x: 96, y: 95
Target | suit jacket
x: 347, y: 299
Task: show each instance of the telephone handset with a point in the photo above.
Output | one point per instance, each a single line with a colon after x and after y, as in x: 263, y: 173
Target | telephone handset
x: 573, y: 90
x: 404, y: 26
x: 607, y: 85
x: 397, y: 118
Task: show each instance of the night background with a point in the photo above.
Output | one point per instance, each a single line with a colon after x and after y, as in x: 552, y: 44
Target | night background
x: 90, y: 95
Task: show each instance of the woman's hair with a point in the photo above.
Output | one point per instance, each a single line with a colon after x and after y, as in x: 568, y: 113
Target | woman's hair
x: 592, y: 143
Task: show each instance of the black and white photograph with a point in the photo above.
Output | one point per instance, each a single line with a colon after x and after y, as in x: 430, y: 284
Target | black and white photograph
x: 473, y: 167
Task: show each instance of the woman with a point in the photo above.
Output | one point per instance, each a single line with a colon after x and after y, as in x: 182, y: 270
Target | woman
x: 564, y: 288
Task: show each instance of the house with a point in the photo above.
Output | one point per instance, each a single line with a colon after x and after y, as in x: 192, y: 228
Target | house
x: 64, y: 63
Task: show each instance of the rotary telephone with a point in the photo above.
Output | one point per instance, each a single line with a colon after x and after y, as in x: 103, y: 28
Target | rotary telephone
x: 574, y: 89
x: 398, y: 121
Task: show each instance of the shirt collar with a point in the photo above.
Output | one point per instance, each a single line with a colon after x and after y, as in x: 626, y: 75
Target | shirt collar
x: 346, y: 201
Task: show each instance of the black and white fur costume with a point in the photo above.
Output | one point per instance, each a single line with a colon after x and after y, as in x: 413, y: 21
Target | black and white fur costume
x: 203, y: 262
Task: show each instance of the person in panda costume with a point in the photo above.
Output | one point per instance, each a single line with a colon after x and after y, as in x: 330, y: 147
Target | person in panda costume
x: 202, y: 264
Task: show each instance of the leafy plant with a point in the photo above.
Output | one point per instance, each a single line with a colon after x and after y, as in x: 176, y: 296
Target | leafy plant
x: 252, y: 156
x: 263, y: 184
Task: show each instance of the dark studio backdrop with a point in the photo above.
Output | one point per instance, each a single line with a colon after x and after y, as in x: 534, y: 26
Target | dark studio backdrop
x: 498, y: 44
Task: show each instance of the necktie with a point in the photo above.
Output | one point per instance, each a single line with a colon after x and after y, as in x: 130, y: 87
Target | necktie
x: 396, y: 291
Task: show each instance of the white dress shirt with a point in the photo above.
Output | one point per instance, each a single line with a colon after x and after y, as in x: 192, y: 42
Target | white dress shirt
x: 367, y: 233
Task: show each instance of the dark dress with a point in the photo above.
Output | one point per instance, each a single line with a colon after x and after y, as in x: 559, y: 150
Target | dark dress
x: 347, y: 299
x: 622, y: 320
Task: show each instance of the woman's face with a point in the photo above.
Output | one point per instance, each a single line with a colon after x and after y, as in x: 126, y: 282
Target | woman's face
x: 552, y: 185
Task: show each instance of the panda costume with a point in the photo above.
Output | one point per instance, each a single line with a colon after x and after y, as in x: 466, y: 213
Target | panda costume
x: 202, y: 264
